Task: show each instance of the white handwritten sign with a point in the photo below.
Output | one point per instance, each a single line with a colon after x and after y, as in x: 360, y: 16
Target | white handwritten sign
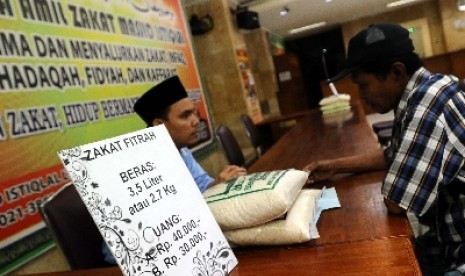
x: 147, y: 206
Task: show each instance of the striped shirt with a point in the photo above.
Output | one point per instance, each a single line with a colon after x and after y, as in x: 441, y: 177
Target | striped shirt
x: 426, y: 168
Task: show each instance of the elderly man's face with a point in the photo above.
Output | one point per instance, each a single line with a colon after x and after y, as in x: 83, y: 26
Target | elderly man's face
x: 182, y: 123
x: 382, y: 94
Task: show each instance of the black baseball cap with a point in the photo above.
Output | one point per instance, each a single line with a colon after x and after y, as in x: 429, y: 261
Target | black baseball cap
x: 158, y: 98
x: 378, y: 41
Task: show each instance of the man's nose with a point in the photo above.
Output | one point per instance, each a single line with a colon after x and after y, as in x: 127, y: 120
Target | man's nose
x: 195, y: 119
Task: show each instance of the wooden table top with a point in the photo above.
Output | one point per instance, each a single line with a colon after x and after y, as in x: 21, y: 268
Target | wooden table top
x: 387, y: 256
x: 318, y: 137
x: 360, y: 238
x: 363, y: 214
x: 280, y: 118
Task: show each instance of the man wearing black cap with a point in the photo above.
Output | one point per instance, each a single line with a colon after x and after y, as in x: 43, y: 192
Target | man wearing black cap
x: 425, y: 162
x: 168, y: 103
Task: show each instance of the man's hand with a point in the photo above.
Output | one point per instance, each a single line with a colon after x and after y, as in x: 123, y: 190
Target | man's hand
x: 230, y: 172
x: 392, y: 207
x: 319, y: 171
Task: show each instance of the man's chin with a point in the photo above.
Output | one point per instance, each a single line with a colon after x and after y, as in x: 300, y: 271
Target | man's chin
x: 376, y: 108
x: 381, y: 109
x: 194, y: 142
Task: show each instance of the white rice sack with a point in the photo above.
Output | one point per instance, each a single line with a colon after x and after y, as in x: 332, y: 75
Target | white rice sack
x: 335, y: 105
x: 296, y: 227
x: 335, y: 109
x: 254, y: 199
x: 341, y: 98
x: 337, y: 118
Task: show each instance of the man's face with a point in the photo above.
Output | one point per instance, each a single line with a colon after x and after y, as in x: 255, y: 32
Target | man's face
x: 182, y: 123
x: 380, y: 94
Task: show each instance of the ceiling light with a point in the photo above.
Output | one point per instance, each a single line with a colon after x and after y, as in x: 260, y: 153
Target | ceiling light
x: 308, y: 27
x: 284, y: 11
x: 399, y: 3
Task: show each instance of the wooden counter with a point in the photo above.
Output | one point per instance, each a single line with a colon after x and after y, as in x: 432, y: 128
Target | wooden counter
x: 389, y: 256
x: 273, y: 128
x: 360, y: 238
x: 363, y: 214
x: 313, y: 139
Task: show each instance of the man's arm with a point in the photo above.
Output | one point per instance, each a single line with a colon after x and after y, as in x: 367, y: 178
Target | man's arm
x: 325, y: 169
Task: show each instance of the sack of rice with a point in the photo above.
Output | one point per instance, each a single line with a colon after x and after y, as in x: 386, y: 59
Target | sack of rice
x: 335, y: 99
x: 335, y: 103
x: 337, y: 118
x: 296, y: 227
x: 254, y: 199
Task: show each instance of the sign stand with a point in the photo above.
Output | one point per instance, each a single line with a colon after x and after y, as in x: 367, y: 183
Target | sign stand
x: 147, y: 206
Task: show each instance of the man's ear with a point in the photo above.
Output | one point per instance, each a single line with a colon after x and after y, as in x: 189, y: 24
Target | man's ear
x: 399, y: 70
x: 157, y: 122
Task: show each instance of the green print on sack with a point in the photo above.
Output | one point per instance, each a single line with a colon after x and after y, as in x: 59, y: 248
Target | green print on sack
x: 245, y: 185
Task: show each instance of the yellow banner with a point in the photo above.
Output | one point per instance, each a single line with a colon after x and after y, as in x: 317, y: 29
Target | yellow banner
x: 70, y: 73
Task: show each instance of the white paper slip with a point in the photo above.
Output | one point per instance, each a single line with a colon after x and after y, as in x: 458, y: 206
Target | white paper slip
x: 147, y: 206
x: 328, y: 200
